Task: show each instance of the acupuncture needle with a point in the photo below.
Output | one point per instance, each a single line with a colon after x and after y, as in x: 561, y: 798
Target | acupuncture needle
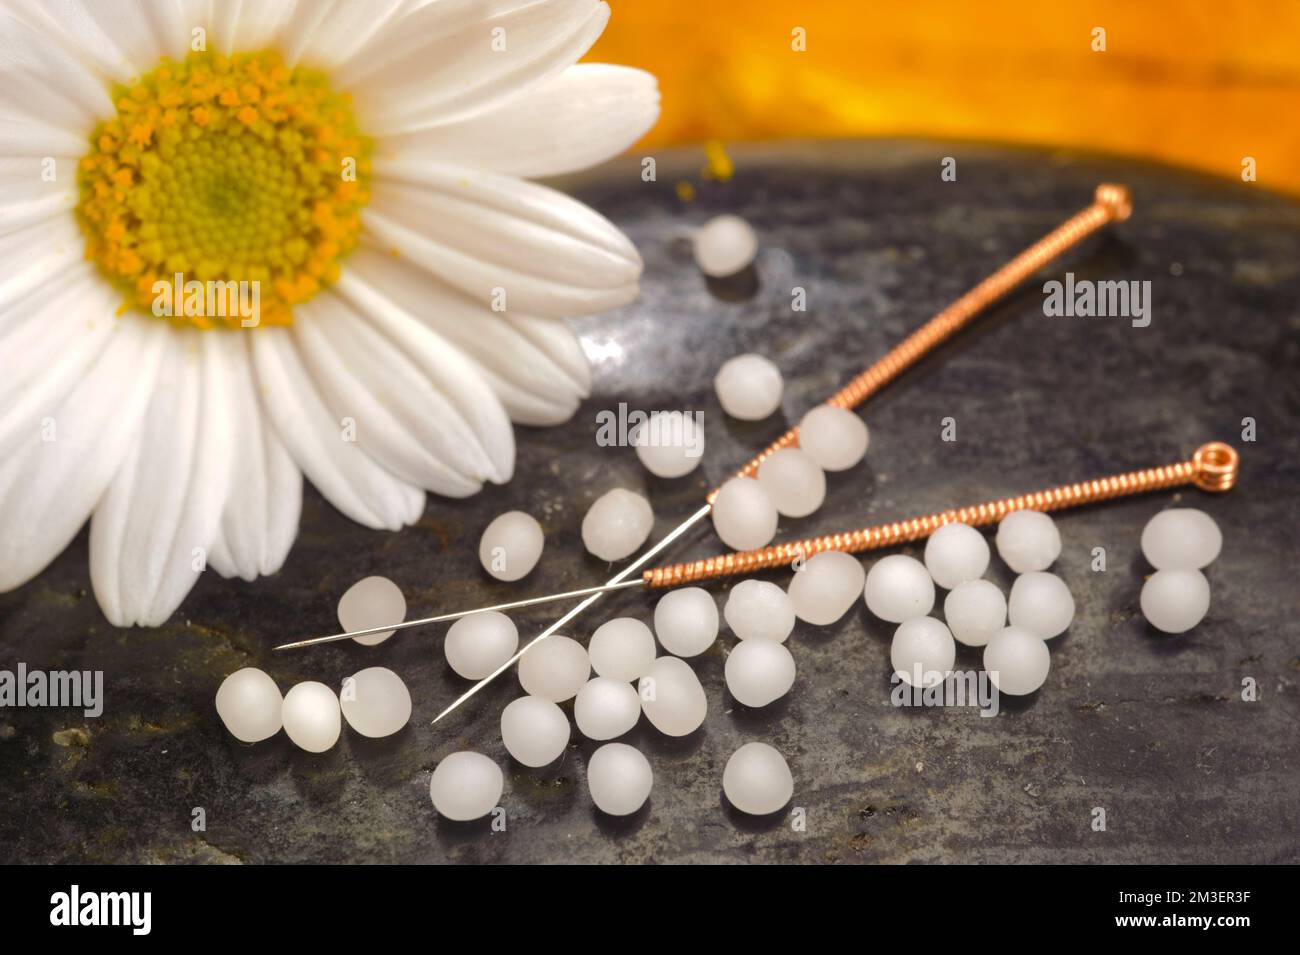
x: 1111, y: 203
x: 1212, y: 468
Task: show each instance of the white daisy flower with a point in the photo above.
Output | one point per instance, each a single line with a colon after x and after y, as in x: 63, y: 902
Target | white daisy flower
x: 357, y: 164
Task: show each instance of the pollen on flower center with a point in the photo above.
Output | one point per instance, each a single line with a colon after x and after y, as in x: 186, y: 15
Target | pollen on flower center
x: 220, y: 171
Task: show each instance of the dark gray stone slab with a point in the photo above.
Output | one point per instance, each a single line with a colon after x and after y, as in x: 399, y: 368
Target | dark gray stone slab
x: 1149, y: 727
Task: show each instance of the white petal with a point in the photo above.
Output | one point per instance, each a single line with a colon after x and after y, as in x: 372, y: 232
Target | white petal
x: 400, y: 420
x: 444, y: 61
x: 485, y: 234
x: 49, y: 250
x: 556, y: 339
x: 220, y: 559
x: 41, y: 81
x: 50, y: 338
x: 327, y: 33
x: 533, y: 388
x: 448, y: 371
x: 150, y: 534
x: 50, y: 483
x: 28, y: 197
x: 589, y: 113
x: 260, y: 519
x: 348, y: 477
x: 33, y: 138
x: 243, y: 25
x: 69, y: 25
x: 124, y: 38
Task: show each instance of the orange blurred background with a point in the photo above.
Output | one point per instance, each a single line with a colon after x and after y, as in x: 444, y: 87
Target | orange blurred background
x: 1198, y: 84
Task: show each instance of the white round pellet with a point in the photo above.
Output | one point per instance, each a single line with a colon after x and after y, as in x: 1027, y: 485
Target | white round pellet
x: 375, y: 702
x: 606, y: 708
x: 311, y: 716
x: 922, y: 652
x: 759, y: 671
x: 1017, y: 661
x: 466, y: 786
x: 956, y: 553
x: 250, y: 705
x: 672, y: 697
x: 619, y: 778
x: 899, y: 588
x: 1175, y: 600
x: 793, y: 481
x: 554, y: 669
x: 535, y: 731
x: 1040, y: 603
x: 372, y: 602
x: 975, y: 611
x: 827, y: 586
x: 622, y: 649
x: 617, y: 524
x: 834, y: 437
x: 749, y: 387
x: 759, y: 610
x: 757, y: 780
x: 511, y: 545
x: 1028, y: 540
x: 724, y: 246
x: 743, y: 515
x: 669, y: 444
x: 1181, y: 538
x: 476, y: 645
x: 686, y: 621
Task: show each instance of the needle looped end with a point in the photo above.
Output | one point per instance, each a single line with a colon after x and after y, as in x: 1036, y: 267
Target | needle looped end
x: 1115, y: 199
x: 1216, y: 466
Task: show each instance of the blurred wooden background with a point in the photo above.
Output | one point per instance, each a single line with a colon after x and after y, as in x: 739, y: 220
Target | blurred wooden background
x: 1198, y: 83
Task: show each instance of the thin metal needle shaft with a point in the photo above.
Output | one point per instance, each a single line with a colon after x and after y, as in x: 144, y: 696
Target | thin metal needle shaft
x: 513, y: 605
x: 618, y: 578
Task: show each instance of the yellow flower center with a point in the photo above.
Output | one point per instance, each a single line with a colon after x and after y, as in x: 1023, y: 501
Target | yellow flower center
x: 222, y: 182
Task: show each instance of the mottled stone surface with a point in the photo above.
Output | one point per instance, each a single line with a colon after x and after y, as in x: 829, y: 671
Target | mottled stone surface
x: 1149, y: 727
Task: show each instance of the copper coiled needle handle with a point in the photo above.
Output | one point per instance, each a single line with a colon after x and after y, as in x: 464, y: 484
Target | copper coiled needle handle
x: 1111, y: 203
x: 1212, y: 468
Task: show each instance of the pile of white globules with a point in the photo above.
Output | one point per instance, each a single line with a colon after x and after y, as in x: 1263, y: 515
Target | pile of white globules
x: 1014, y: 630
x: 631, y: 680
x: 901, y: 590
x: 1179, y: 543
x: 374, y: 701
x: 619, y: 678
x: 790, y: 482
